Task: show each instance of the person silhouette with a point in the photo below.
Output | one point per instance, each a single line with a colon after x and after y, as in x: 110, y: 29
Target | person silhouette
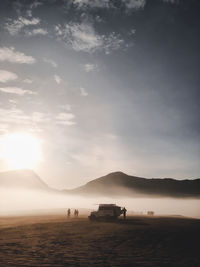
x: 75, y: 213
x: 124, y: 212
x: 68, y: 213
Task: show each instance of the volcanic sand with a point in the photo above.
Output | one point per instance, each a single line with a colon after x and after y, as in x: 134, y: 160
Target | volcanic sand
x: 55, y: 240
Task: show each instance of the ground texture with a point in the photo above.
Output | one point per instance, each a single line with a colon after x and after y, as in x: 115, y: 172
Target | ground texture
x: 138, y: 241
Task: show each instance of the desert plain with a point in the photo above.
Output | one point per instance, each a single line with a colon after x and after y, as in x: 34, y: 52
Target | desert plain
x: 55, y: 240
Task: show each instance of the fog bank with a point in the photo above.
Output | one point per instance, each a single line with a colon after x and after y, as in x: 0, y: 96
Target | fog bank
x: 20, y: 201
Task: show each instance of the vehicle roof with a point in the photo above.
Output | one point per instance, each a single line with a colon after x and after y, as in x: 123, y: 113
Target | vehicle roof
x: 107, y: 205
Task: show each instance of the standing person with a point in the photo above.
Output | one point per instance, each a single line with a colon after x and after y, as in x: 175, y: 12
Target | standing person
x: 124, y: 213
x: 68, y: 213
x: 77, y: 212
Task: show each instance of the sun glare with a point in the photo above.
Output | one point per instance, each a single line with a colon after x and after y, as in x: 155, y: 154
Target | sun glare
x: 20, y: 150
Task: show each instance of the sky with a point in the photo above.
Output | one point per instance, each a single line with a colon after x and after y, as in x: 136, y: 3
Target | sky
x: 104, y: 85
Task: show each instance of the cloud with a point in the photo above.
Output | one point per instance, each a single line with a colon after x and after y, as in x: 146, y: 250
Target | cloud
x: 171, y: 1
x: 21, y: 6
x: 90, y: 67
x: 51, y: 62
x: 134, y: 4
x: 13, y: 101
x: 15, y: 116
x: 28, y: 81
x: 83, y: 91
x: 82, y: 37
x: 66, y: 107
x: 113, y: 42
x: 57, y: 79
x: 39, y: 117
x: 64, y: 118
x: 38, y: 31
x: 11, y: 55
x: 16, y: 90
x: 6, y: 76
x: 128, y: 4
x: 16, y: 26
x: 35, y: 4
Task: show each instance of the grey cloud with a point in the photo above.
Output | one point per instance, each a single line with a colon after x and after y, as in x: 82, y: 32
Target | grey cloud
x: 28, y: 81
x: 83, y: 37
x: 90, y: 67
x: 15, y: 26
x: 128, y: 4
x: 51, y: 62
x: 83, y: 92
x: 34, y: 32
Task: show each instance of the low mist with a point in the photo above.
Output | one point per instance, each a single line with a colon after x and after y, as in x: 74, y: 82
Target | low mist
x: 19, y: 202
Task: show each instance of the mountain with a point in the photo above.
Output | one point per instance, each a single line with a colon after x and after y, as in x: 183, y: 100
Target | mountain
x: 121, y: 184
x: 26, y: 179
x: 116, y: 184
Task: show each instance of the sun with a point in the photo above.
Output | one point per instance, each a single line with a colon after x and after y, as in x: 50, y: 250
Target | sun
x: 20, y: 150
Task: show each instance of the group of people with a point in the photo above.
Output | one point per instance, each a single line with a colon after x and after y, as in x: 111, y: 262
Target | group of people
x: 76, y: 213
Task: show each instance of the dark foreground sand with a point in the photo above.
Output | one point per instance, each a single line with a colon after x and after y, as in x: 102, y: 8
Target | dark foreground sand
x: 138, y: 241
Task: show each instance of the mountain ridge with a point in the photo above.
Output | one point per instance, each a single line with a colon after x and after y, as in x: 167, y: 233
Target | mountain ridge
x: 115, y: 184
x: 121, y: 184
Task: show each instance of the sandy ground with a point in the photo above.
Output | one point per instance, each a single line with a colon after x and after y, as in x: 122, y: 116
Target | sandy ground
x: 55, y: 240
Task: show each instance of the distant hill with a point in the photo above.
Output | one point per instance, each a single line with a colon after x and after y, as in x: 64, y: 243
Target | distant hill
x: 121, y: 184
x: 116, y: 184
x: 26, y: 179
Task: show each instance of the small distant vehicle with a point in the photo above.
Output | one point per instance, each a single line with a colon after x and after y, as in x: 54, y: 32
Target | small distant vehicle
x: 106, y: 212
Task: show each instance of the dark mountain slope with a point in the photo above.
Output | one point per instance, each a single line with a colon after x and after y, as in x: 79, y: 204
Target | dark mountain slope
x: 121, y: 184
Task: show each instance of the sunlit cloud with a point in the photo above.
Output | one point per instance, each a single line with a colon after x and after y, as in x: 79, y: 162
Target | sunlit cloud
x: 83, y: 92
x: 15, y: 117
x: 34, y: 121
x: 57, y: 79
x: 40, y: 117
x: 6, y: 76
x: 16, y: 90
x: 11, y: 55
x: 64, y: 118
